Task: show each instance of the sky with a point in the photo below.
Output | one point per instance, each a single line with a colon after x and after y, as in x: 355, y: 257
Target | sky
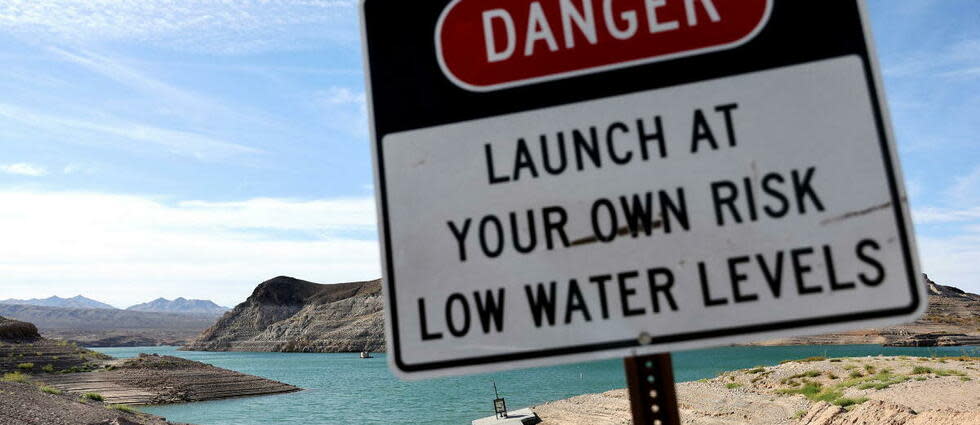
x: 151, y: 148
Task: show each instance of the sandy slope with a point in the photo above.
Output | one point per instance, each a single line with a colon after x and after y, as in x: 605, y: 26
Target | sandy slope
x: 885, y: 390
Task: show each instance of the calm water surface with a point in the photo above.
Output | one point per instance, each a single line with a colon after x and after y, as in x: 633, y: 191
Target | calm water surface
x: 343, y: 389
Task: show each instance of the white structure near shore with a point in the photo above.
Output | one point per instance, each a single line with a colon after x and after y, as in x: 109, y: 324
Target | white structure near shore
x: 517, y: 417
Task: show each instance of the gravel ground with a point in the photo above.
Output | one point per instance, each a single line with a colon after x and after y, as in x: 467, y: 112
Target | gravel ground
x: 26, y: 404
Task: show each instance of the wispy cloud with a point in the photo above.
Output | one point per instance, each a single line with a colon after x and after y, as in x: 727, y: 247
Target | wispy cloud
x: 958, y: 61
x: 130, y: 77
x: 934, y: 215
x: 345, y: 109
x: 222, y: 26
x: 78, y: 169
x: 341, y: 96
x: 178, y: 142
x: 127, y: 248
x: 188, y: 104
x: 23, y: 169
x: 959, y: 203
x: 966, y: 188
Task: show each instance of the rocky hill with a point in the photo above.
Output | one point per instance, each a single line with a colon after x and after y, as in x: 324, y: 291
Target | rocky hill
x: 181, y: 306
x: 953, y: 318
x: 287, y: 314
x: 73, y: 302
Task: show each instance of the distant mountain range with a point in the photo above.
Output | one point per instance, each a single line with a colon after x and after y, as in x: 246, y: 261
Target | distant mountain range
x: 159, y: 305
x: 181, y: 305
x: 95, y: 324
x: 73, y: 302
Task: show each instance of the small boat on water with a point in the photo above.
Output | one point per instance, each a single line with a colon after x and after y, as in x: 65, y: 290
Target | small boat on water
x: 366, y: 355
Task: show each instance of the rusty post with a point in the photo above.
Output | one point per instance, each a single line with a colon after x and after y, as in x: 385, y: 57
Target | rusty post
x: 650, y: 381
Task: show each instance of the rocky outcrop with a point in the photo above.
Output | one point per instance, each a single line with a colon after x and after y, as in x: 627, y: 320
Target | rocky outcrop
x: 288, y: 314
x: 16, y: 330
x: 935, y: 340
x: 952, y: 319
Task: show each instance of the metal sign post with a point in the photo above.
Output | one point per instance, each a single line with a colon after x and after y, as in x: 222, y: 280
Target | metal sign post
x: 499, y: 404
x: 650, y: 382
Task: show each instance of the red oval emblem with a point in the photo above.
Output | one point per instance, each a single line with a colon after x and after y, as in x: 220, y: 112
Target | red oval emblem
x: 489, y: 45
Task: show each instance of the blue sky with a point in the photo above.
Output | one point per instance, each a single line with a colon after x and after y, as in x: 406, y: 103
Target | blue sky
x: 156, y: 148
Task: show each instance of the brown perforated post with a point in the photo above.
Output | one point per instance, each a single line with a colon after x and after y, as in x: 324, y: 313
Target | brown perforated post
x: 650, y: 381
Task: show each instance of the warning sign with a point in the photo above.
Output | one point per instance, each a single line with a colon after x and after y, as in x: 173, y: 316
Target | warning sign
x: 561, y: 180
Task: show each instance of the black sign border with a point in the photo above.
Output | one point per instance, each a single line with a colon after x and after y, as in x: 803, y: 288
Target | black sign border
x: 872, y: 78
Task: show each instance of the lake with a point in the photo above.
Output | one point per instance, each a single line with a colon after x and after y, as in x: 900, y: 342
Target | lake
x: 344, y: 389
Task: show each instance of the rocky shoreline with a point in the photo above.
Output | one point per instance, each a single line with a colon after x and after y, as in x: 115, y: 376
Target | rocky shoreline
x: 27, y: 404
x: 152, y: 379
x: 816, y: 391
x: 48, y: 382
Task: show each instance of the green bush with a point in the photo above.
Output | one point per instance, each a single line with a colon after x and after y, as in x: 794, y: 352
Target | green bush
x: 48, y: 368
x: 732, y: 385
x: 949, y: 372
x: 806, y: 360
x: 845, y: 402
x: 14, y: 377
x: 123, y: 408
x: 50, y: 390
x: 810, y: 390
x: 25, y: 366
x: 93, y: 397
x: 814, y: 391
x: 921, y: 370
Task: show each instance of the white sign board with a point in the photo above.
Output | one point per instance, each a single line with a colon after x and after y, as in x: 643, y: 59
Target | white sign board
x: 612, y: 212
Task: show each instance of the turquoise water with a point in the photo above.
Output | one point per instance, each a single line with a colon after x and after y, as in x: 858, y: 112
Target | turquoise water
x: 343, y: 389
